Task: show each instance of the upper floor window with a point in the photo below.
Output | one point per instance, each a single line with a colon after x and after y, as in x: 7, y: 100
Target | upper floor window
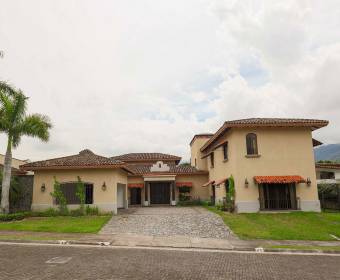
x: 212, y: 159
x: 225, y: 151
x: 251, y: 140
x: 195, y: 163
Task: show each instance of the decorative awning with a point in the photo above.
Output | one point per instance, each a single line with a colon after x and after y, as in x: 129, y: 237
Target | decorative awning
x: 221, y: 181
x: 184, y: 184
x: 279, y: 179
x: 208, y: 183
x: 136, y: 185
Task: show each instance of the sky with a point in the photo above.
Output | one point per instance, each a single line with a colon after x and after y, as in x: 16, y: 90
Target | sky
x: 145, y: 76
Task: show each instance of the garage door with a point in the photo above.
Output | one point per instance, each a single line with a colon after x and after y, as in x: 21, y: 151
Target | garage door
x: 160, y: 193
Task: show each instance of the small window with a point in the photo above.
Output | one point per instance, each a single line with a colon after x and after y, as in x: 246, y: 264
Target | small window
x: 69, y: 190
x: 251, y: 140
x: 195, y: 163
x: 327, y: 175
x: 225, y: 151
x: 212, y: 160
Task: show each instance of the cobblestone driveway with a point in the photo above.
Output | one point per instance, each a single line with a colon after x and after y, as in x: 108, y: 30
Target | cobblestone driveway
x: 168, y: 221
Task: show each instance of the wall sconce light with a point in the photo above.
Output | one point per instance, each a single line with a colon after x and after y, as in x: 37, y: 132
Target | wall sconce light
x: 104, y: 187
x: 308, y: 182
x: 43, y: 187
x: 246, y: 183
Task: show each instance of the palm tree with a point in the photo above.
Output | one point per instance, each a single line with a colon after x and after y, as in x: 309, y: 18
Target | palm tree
x: 15, y: 122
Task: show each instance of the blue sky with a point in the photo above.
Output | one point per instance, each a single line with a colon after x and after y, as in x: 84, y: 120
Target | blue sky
x: 145, y: 76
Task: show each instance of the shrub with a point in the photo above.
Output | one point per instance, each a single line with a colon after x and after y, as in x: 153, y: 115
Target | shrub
x: 77, y: 212
x: 14, y: 216
x: 92, y: 211
x: 81, y: 195
x: 50, y: 212
x: 60, y: 198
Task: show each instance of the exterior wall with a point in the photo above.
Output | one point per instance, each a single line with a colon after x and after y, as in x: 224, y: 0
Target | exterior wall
x: 105, y: 200
x: 197, y: 190
x: 283, y: 151
x: 195, y: 147
x: 223, y: 168
x: 336, y: 179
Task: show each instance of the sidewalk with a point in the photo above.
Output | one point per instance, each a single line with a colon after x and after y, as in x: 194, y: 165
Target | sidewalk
x: 134, y: 240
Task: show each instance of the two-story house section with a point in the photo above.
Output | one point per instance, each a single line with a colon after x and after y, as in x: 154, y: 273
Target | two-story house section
x: 271, y: 161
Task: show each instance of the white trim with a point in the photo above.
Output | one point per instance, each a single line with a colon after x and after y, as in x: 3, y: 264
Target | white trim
x: 158, y: 178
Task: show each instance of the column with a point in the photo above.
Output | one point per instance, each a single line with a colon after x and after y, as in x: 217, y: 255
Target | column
x: 173, y: 192
x: 146, y: 194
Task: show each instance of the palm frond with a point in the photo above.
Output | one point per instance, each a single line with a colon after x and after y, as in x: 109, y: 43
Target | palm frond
x: 6, y: 88
x: 19, y: 107
x: 35, y: 125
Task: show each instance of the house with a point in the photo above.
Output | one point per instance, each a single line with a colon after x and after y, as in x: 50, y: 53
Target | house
x: 116, y: 182
x: 270, y: 160
x: 328, y: 173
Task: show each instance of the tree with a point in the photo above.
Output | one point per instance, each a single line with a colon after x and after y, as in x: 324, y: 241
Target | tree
x: 80, y: 193
x: 15, y: 122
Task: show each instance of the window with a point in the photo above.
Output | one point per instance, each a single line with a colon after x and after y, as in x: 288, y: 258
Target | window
x: 212, y: 160
x: 327, y: 175
x: 251, y: 140
x: 225, y: 151
x: 69, y: 190
x: 195, y: 163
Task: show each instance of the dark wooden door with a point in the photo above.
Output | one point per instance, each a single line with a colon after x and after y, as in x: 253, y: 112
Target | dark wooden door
x: 277, y: 196
x: 160, y: 193
x: 135, y: 196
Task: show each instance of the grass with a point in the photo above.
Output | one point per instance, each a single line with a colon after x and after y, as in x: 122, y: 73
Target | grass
x: 61, y: 224
x: 283, y: 226
x: 302, y: 247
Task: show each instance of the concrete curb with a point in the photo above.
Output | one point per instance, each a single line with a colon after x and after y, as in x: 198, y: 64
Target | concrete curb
x: 109, y: 244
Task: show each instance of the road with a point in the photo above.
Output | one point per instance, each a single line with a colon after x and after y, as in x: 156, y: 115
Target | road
x: 37, y: 262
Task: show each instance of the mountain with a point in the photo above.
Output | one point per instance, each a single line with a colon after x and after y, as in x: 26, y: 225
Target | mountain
x: 327, y: 152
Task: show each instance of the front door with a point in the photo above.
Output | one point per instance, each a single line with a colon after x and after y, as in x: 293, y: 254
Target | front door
x: 135, y: 196
x: 160, y: 193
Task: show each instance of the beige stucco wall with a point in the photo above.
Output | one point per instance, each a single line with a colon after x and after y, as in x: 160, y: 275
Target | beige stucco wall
x: 197, y: 190
x: 195, y: 147
x: 15, y: 162
x: 283, y: 151
x: 105, y: 200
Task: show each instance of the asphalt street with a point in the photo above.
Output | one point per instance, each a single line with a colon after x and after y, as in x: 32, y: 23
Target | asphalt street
x: 76, y: 262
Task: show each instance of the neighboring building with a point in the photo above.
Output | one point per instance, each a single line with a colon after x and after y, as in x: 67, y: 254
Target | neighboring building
x: 271, y: 161
x: 15, y: 165
x: 327, y: 173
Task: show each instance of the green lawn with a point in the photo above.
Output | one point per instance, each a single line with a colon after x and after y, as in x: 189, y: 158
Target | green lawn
x: 283, y: 226
x: 61, y: 224
x: 300, y: 247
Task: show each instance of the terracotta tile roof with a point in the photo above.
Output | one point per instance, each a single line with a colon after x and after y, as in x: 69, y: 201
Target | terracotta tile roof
x: 146, y: 157
x: 184, y: 184
x: 279, y: 179
x: 266, y: 122
x: 85, y: 159
x: 142, y: 169
x: 201, y: 135
x: 208, y: 183
x: 328, y: 165
x: 14, y: 171
x: 136, y: 185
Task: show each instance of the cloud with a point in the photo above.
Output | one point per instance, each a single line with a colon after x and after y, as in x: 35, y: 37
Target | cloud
x: 146, y: 75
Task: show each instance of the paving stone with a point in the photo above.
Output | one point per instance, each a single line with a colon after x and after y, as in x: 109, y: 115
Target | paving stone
x: 168, y: 221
